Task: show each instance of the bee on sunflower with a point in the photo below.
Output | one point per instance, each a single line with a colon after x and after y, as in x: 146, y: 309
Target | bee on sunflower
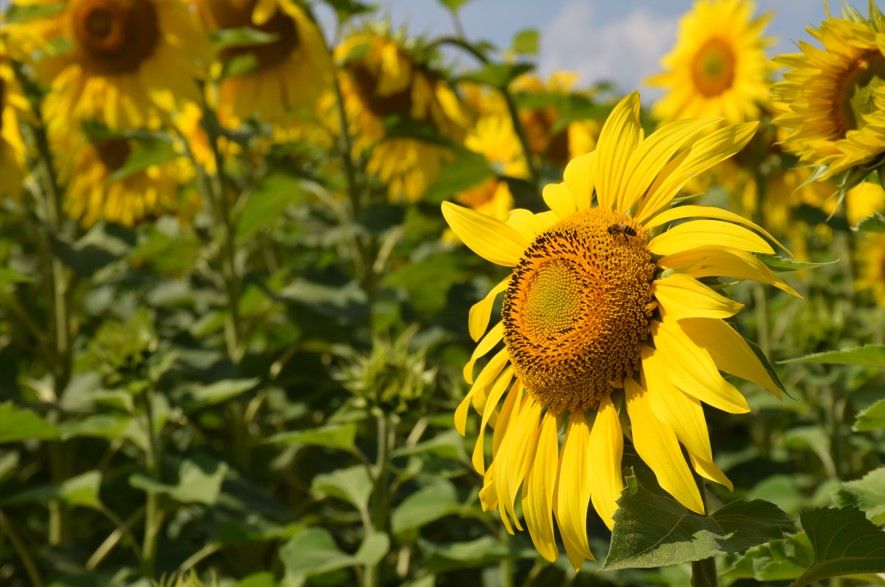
x: 125, y: 63
x: 718, y: 66
x: 384, y: 76
x: 833, y: 97
x: 604, y: 311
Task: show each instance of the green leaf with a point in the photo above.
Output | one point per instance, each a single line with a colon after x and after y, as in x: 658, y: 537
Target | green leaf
x: 337, y: 436
x: 16, y: 13
x: 17, y: 424
x: 769, y: 368
x: 196, y: 398
x: 346, y: 9
x: 146, y: 153
x: 845, y: 542
x: 227, y: 38
x: 447, y: 445
x: 453, y: 5
x: 108, y: 426
x: 373, y: 549
x: 81, y: 490
x: 460, y: 555
x: 424, y: 506
x: 261, y: 579
x: 313, y: 552
x: 652, y: 529
x: 873, y: 223
x: 197, y: 483
x: 266, y: 205
x: 352, y: 485
x: 526, y: 42
x: 871, y: 418
x: 778, y: 263
x: 498, y: 75
x: 468, y: 170
x: 869, y: 355
x: 866, y: 494
x: 778, y: 560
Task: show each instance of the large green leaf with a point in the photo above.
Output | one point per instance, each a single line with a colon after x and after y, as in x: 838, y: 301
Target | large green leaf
x: 203, y: 396
x: 337, y: 436
x: 18, y: 424
x: 468, y: 170
x: 81, y: 490
x: 97, y: 426
x: 352, y: 485
x: 845, y: 542
x: 197, y: 483
x: 459, y: 555
x: 424, y: 506
x: 866, y: 494
x: 314, y: 552
x: 874, y: 223
x: 869, y: 355
x: 652, y: 529
x: 265, y: 206
x: 778, y: 560
x: 871, y: 418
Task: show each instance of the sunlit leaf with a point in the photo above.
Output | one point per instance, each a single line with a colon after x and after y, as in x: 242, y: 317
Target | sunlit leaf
x: 337, y: 436
x: 873, y: 223
x: 866, y: 494
x: 17, y: 424
x: 871, y: 418
x: 526, y: 42
x: 352, y: 485
x: 203, y: 396
x: 267, y: 203
x: 424, y: 506
x: 81, y: 490
x: 196, y: 483
x: 870, y: 355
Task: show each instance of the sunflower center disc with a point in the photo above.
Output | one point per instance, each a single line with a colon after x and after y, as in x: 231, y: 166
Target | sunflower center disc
x: 113, y: 153
x: 234, y: 14
x: 858, y: 87
x: 116, y: 36
x: 713, y: 67
x: 578, y: 308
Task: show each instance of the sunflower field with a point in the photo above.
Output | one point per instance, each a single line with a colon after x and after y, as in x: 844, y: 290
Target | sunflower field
x: 293, y: 295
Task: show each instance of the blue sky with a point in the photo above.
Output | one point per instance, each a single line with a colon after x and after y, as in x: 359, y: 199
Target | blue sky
x: 621, y: 41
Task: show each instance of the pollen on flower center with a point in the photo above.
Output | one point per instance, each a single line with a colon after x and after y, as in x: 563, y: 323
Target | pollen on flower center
x: 857, y: 88
x: 578, y: 307
x: 713, y: 67
x: 116, y: 36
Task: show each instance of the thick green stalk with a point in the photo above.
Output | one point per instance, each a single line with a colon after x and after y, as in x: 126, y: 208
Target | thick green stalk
x: 153, y: 513
x: 703, y: 572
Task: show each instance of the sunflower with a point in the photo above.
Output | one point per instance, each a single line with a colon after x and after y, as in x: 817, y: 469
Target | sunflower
x: 604, y: 311
x: 129, y: 64
x: 282, y: 79
x: 547, y: 137
x: 871, y: 252
x: 833, y: 99
x: 100, y: 188
x: 12, y: 148
x: 382, y: 78
x: 718, y: 66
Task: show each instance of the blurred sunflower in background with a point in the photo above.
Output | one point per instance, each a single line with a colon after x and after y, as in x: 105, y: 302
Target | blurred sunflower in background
x: 125, y: 63
x: 12, y: 148
x: 601, y: 299
x: 718, y: 66
x: 278, y: 80
x: 101, y: 187
x: 549, y: 136
x: 871, y: 253
x: 833, y: 98
x: 383, y: 78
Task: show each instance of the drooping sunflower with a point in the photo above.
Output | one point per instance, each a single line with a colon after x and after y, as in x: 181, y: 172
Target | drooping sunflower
x: 99, y: 188
x: 125, y: 63
x: 718, y: 66
x: 285, y: 77
x: 382, y: 78
x: 549, y: 139
x: 604, y: 311
x: 833, y: 98
x: 12, y: 148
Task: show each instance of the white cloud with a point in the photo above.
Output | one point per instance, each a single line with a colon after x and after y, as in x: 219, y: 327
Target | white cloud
x: 625, y: 50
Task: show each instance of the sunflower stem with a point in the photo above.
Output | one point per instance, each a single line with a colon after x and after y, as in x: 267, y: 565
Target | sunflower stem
x: 703, y: 573
x: 22, y: 550
x: 153, y: 513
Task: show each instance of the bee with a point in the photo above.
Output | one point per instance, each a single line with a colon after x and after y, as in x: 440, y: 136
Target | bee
x: 624, y: 229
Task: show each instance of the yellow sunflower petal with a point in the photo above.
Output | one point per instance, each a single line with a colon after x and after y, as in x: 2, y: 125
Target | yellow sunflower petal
x: 531, y: 224
x: 695, y: 211
x: 559, y: 198
x: 704, y: 154
x: 729, y: 350
x: 718, y: 262
x: 263, y: 11
x: 540, y: 484
x: 580, y: 176
x: 573, y: 490
x: 618, y: 138
x: 707, y: 233
x: 514, y: 397
x: 488, y: 342
x: 709, y: 470
x: 682, y: 296
x: 489, y: 372
x: 498, y: 389
x: 692, y: 370
x: 514, y: 458
x: 605, y: 451
x: 489, y: 238
x: 656, y: 443
x: 480, y: 312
